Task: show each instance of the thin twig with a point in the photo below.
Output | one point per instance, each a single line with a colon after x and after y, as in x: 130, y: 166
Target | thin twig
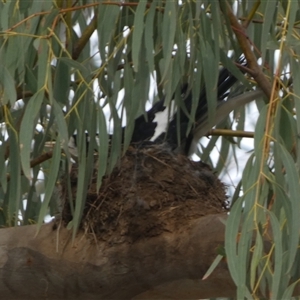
x: 245, y: 45
x: 231, y: 133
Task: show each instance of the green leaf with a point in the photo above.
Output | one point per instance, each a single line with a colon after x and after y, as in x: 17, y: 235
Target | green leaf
x: 3, y: 168
x: 43, y: 63
x: 289, y: 291
x: 256, y: 257
x: 103, y: 147
x: 107, y: 19
x: 115, y: 150
x: 148, y: 36
x: 276, y: 230
x: 294, y: 191
x: 292, y: 15
x: 244, y: 245
x: 15, y: 180
x: 82, y: 184
x: 210, y: 65
x: 212, y: 266
x: 75, y: 65
x: 27, y: 130
x: 231, y: 236
x: 269, y: 19
x: 168, y: 34
x: 138, y: 34
x: 224, y: 151
x: 7, y: 87
x: 62, y: 81
x: 61, y: 127
x: 50, y: 182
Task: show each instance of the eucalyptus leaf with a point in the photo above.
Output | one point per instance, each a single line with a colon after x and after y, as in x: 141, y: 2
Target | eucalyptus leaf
x: 138, y: 34
x: 27, y: 130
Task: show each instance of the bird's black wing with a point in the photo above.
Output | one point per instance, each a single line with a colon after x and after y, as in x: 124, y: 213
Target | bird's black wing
x: 144, y: 130
x: 145, y: 125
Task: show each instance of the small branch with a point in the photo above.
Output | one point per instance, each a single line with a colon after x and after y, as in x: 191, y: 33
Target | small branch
x: 255, y: 21
x: 71, y: 9
x: 231, y: 133
x: 245, y: 45
x: 223, y: 110
x: 21, y: 94
x: 251, y: 15
x: 38, y: 160
x: 84, y: 39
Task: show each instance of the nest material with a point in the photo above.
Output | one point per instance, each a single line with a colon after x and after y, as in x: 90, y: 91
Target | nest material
x: 150, y: 192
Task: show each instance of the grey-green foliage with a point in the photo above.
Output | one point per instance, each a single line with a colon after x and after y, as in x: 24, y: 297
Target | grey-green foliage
x: 48, y: 73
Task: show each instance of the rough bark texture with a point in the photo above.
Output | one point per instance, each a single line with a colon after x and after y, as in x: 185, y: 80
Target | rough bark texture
x: 151, y: 231
x: 168, y: 266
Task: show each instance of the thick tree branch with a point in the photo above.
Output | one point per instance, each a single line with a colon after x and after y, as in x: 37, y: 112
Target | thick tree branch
x: 170, y: 265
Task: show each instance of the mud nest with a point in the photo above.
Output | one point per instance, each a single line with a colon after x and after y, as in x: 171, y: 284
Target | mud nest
x: 151, y: 191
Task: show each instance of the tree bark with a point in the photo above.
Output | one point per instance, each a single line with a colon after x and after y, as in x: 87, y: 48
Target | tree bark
x: 170, y: 266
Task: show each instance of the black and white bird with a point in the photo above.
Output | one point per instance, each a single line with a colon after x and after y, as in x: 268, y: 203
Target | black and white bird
x: 158, y: 127
x: 177, y: 137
